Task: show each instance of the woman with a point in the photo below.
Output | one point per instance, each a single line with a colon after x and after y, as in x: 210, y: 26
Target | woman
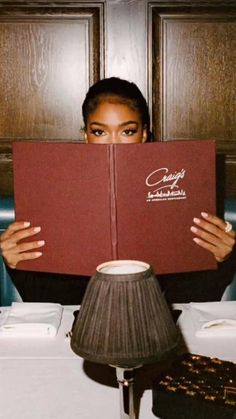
x: 114, y: 111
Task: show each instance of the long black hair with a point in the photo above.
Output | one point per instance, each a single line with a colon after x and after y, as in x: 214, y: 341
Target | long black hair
x: 124, y: 92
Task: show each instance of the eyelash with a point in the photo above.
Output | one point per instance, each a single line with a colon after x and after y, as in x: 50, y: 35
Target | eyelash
x: 97, y: 132
x: 100, y: 132
x: 130, y: 131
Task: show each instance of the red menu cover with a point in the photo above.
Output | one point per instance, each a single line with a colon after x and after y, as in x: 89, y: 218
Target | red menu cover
x: 96, y: 203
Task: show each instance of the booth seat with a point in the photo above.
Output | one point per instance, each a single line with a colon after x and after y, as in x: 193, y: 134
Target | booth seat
x: 230, y: 215
x: 8, y: 293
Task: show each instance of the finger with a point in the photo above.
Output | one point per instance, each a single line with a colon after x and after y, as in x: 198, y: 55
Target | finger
x: 219, y: 252
x: 14, y: 227
x: 218, y: 222
x: 24, y: 256
x: 25, y: 247
x: 22, y: 247
x: 15, y: 237
x: 214, y: 220
x: 212, y: 232
x: 213, y: 237
x: 29, y: 256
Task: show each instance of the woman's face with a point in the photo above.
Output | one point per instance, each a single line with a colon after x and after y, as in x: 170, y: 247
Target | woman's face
x: 114, y: 123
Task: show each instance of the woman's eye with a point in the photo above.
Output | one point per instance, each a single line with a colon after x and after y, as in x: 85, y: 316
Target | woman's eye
x: 98, y: 132
x: 130, y: 131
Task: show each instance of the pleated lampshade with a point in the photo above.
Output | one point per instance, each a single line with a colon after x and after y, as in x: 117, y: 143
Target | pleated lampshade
x: 124, y: 319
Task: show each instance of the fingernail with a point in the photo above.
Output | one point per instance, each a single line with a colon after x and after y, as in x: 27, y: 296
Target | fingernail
x: 196, y: 240
x: 193, y: 229
x: 204, y: 214
x: 196, y: 220
x: 41, y: 242
x: 26, y: 224
x: 37, y: 254
x: 37, y: 229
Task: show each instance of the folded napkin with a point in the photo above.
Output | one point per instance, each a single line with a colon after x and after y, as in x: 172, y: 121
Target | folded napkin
x: 31, y: 320
x: 214, y: 319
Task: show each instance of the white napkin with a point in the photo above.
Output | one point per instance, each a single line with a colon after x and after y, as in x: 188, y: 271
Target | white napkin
x: 31, y: 320
x: 214, y: 318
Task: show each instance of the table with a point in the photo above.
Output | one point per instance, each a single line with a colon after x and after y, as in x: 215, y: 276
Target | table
x: 44, y: 379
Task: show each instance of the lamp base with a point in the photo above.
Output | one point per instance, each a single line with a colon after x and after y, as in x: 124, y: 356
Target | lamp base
x: 125, y: 378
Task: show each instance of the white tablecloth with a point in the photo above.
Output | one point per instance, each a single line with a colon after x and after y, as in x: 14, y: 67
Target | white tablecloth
x: 44, y: 379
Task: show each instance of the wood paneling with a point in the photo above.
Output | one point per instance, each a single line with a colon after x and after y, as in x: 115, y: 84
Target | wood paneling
x: 5, y: 168
x: 230, y: 180
x: 194, y: 75
x: 181, y: 53
x: 48, y: 58
x: 126, y: 31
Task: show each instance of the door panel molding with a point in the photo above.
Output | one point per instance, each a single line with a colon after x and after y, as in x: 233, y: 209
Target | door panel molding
x: 192, y: 71
x: 50, y: 55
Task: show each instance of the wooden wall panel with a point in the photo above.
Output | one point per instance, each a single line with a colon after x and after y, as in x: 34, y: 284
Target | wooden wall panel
x: 6, y: 174
x: 194, y: 75
x: 126, y: 35
x: 42, y: 81
x: 48, y: 59
x: 230, y: 178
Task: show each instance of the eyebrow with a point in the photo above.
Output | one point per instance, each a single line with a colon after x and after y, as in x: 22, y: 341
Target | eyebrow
x: 121, y: 125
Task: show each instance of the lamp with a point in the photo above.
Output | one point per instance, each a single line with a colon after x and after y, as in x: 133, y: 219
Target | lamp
x: 124, y: 321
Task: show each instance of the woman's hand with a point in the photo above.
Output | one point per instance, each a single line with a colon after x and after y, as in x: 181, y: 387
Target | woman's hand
x: 13, y: 250
x: 211, y: 235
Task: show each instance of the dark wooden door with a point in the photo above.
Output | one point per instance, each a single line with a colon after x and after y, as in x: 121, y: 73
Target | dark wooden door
x: 49, y: 55
x: 194, y: 77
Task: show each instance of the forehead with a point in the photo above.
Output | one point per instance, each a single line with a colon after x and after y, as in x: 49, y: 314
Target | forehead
x: 111, y: 110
